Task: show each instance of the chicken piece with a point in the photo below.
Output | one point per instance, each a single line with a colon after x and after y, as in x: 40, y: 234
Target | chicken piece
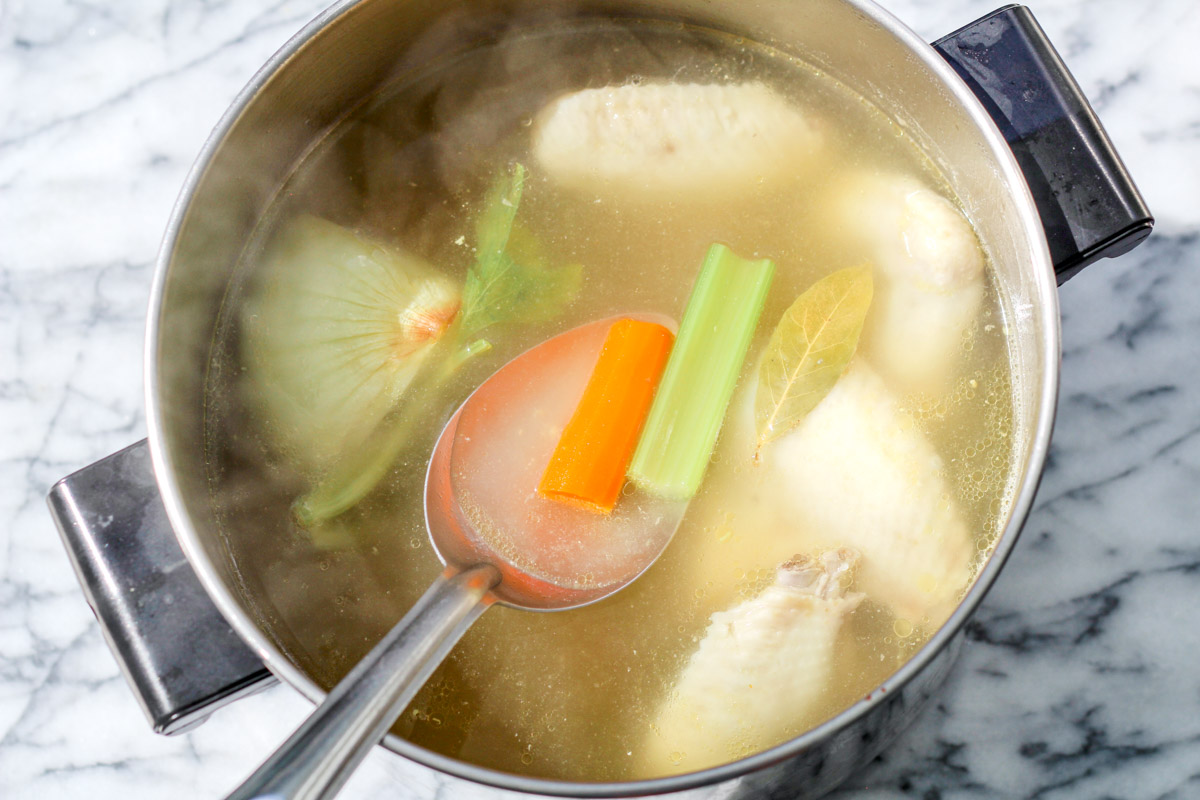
x: 758, y: 674
x: 929, y: 270
x: 857, y: 472
x: 664, y: 138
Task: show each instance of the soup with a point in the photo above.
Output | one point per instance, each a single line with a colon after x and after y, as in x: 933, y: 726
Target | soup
x: 813, y: 561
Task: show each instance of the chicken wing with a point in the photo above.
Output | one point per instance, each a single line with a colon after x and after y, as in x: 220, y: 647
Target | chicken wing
x: 760, y: 669
x: 929, y: 270
x: 857, y: 472
x: 663, y: 138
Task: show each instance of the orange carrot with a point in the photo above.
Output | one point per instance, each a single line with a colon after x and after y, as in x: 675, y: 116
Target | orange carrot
x: 588, y: 465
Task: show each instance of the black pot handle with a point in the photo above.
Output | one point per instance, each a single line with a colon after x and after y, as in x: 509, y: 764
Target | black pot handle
x: 177, y: 652
x: 1089, y: 205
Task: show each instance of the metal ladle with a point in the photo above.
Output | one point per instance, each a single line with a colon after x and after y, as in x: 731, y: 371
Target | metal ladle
x: 321, y: 754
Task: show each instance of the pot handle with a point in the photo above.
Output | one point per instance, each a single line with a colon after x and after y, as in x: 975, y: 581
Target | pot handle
x: 1089, y: 205
x: 177, y: 652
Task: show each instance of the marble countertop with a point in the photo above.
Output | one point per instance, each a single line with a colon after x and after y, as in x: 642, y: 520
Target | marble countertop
x: 1079, y: 677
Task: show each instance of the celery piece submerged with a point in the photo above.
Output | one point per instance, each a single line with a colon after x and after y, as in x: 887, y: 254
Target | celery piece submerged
x: 510, y: 282
x: 718, y: 324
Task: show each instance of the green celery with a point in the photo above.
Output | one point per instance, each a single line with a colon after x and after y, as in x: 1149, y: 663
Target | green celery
x: 509, y: 282
x: 689, y: 407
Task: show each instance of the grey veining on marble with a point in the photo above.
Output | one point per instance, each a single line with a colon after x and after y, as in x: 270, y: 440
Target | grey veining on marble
x: 1080, y: 676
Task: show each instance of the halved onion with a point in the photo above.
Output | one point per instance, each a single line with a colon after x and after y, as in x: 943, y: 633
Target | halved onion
x: 334, y: 334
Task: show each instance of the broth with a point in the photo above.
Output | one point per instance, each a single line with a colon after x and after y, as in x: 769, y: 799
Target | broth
x: 574, y: 695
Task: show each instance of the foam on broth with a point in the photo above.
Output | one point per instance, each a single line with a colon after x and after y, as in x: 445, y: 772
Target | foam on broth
x: 571, y: 695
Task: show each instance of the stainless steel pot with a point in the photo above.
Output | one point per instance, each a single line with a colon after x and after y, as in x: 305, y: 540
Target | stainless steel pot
x: 992, y: 104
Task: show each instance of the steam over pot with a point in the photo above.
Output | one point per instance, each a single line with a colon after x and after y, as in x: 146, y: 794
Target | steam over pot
x: 1032, y: 223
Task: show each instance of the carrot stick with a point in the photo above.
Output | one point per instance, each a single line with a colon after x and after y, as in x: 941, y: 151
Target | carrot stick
x: 588, y: 465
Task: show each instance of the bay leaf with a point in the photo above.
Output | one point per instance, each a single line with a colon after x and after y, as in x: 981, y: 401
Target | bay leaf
x: 809, y: 350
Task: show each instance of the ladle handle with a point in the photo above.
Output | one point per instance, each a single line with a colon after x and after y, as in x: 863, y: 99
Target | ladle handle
x: 320, y: 756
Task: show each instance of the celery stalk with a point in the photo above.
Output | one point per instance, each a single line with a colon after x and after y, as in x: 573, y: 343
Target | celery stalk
x: 685, y: 418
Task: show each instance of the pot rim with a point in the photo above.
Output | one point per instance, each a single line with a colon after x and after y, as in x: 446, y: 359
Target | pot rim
x: 1044, y: 289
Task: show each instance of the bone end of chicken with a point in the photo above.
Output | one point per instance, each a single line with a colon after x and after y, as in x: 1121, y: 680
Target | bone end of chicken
x: 661, y: 138
x: 860, y: 473
x: 930, y: 271
x: 759, y: 673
